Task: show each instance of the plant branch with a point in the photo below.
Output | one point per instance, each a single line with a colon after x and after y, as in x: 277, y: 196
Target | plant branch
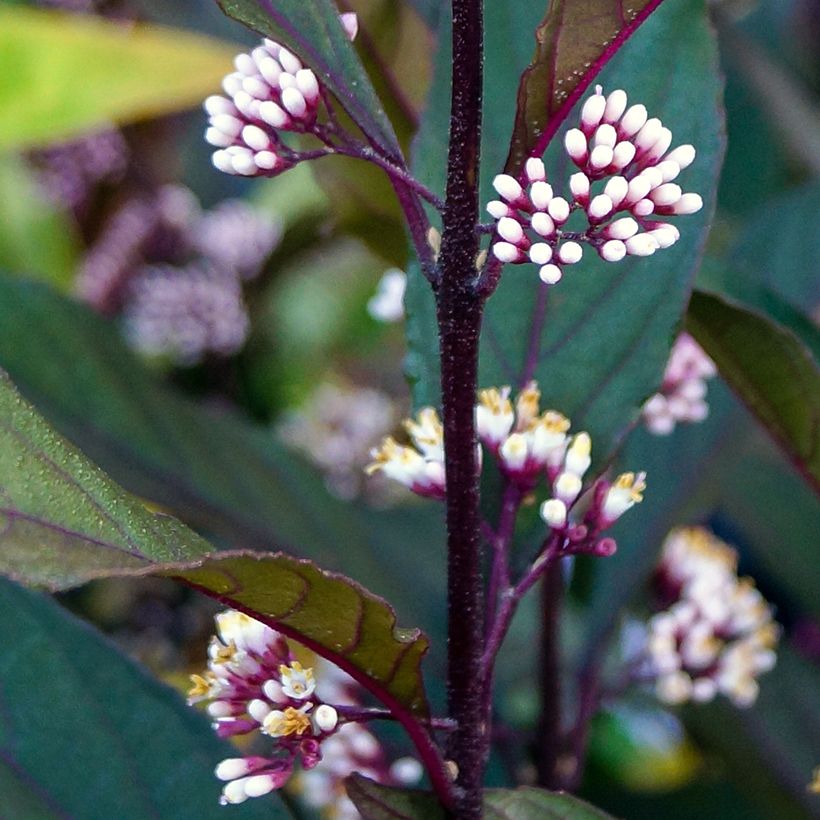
x: 459, y: 312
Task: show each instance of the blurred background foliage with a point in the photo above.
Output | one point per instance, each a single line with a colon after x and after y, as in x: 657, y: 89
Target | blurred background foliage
x: 204, y: 439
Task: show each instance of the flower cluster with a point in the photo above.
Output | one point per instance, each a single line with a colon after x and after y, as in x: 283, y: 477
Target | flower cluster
x: 419, y: 467
x: 681, y: 397
x: 270, y: 92
x: 528, y: 445
x: 616, y: 143
x: 715, y: 634
x: 174, y: 273
x: 254, y: 684
x: 336, y: 428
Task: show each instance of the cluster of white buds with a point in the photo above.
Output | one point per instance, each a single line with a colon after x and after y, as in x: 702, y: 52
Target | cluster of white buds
x: 351, y: 749
x: 270, y: 92
x: 681, y: 397
x: 254, y: 684
x: 614, y: 143
x: 608, y: 501
x: 526, y: 442
x: 420, y: 467
x: 715, y: 634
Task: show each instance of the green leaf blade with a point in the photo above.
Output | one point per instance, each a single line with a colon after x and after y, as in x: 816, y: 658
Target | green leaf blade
x: 64, y: 74
x: 573, y: 43
x: 769, y: 369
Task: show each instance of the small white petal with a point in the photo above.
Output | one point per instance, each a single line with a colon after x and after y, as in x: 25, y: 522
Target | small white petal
x: 551, y: 274
x: 570, y: 253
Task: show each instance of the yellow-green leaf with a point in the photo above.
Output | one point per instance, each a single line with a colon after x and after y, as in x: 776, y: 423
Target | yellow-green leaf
x: 61, y: 74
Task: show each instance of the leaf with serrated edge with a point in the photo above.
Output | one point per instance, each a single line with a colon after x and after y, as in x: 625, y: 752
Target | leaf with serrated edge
x: 573, y: 43
x: 65, y: 522
x: 61, y: 74
x: 769, y: 368
x: 377, y: 802
x: 311, y: 28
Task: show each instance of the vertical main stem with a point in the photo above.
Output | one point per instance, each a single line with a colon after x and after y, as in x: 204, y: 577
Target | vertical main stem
x: 459, y: 320
x: 549, y: 729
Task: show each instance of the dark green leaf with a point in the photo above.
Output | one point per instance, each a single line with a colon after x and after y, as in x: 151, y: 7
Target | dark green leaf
x: 65, y: 522
x: 312, y: 29
x: 573, y: 43
x: 607, y: 328
x: 376, y: 802
x: 214, y: 470
x: 86, y: 734
x: 62, y: 74
x: 769, y: 369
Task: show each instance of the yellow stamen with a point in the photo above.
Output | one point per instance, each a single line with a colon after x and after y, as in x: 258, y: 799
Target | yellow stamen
x: 289, y: 722
x: 201, y: 687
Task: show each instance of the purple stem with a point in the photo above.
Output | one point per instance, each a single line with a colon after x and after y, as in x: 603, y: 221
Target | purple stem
x: 501, y: 541
x: 459, y: 312
x: 360, y: 714
x: 539, y: 316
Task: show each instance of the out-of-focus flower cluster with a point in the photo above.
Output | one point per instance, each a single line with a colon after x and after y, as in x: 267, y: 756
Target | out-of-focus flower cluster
x: 715, y: 634
x: 625, y: 175
x: 174, y: 272
x: 254, y: 684
x: 270, y: 92
x: 682, y: 397
x: 528, y: 445
x: 336, y: 429
x: 387, y: 303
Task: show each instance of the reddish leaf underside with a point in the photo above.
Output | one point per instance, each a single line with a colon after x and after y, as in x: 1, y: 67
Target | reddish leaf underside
x: 573, y: 43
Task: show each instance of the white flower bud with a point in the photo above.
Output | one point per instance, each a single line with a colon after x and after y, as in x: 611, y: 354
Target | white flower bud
x: 576, y: 145
x: 613, y: 251
x: 508, y: 187
x: 506, y: 252
x: 593, y: 110
x: 554, y: 512
x: 541, y: 194
x: 232, y: 767
x: 579, y: 185
x: 540, y: 253
x: 641, y: 244
x: 234, y: 792
x: 273, y: 114
x: 550, y: 274
x: 648, y: 135
x: 643, y: 208
x: 668, y: 169
x: 667, y: 194
x: 247, y: 105
x: 622, y: 228
x: 510, y: 229
x: 307, y: 83
x: 498, y: 209
x: 256, y: 87
x: 293, y: 102
x: 245, y: 64
x: 542, y: 224
x: 350, y: 23
x: 601, y: 157
x: 222, y: 162
x: 266, y: 160
x: 688, y: 204
x: 535, y: 170
x: 605, y: 135
x: 633, y: 120
x: 227, y: 124
x: 578, y: 458
x: 407, y: 770
x: 259, y: 785
x: 660, y: 146
x: 665, y: 235
x: 325, y: 717
x: 513, y: 452
x: 286, y: 80
x: 601, y: 206
x: 271, y: 71
x: 217, y: 138
x: 615, y: 106
x: 290, y: 62
x: 216, y: 104
x: 254, y: 137
x: 232, y: 83
x: 623, y: 154
x: 567, y: 487
x: 684, y: 155
x: 570, y: 253
x: 558, y: 209
x: 243, y: 162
